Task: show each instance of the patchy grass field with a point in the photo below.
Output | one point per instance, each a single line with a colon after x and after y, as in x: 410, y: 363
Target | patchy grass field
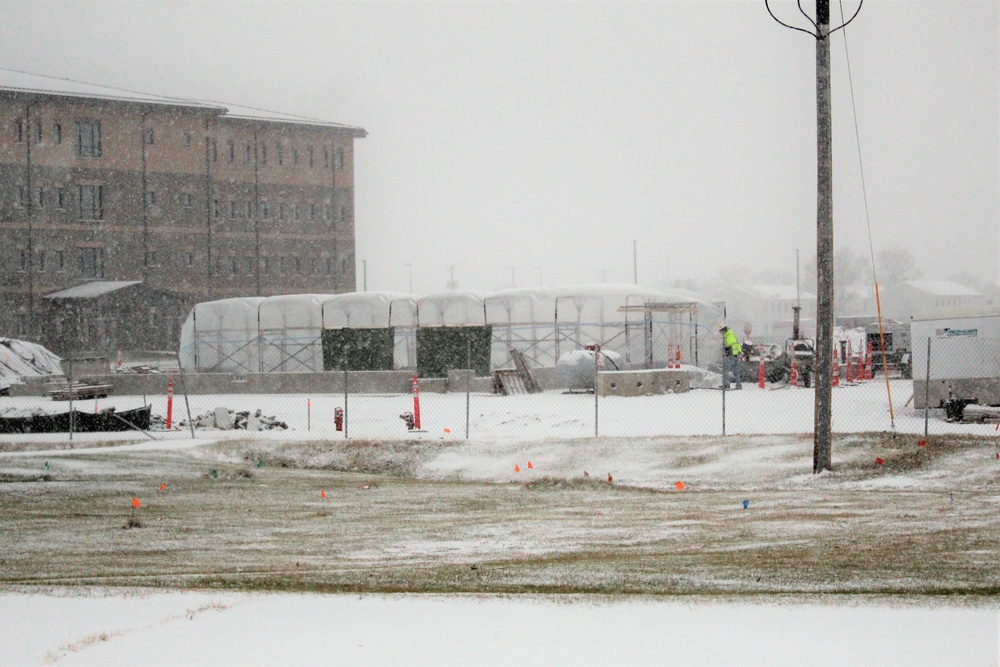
x: 454, y: 517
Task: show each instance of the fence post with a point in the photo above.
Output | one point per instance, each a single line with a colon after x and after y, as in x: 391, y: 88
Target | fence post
x: 927, y: 387
x: 72, y: 421
x: 187, y: 404
x: 724, y: 399
x: 468, y: 381
x: 347, y: 420
x: 597, y: 370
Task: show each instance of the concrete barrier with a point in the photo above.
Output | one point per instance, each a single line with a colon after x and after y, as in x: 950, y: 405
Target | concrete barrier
x: 643, y: 383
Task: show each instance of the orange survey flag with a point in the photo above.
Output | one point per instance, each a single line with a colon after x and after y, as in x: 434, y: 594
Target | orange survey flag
x: 135, y: 502
x: 517, y: 468
x: 163, y: 486
x: 680, y: 486
x: 322, y: 493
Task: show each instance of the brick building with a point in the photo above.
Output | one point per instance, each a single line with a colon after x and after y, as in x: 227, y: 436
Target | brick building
x: 193, y: 201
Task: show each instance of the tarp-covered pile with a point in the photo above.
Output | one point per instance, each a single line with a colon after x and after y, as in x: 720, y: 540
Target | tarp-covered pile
x: 20, y: 359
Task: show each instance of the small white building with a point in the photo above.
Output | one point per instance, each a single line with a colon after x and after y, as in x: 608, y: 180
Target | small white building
x: 902, y: 300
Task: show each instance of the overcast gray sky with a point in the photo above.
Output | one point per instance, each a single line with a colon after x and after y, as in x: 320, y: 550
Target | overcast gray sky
x: 529, y: 142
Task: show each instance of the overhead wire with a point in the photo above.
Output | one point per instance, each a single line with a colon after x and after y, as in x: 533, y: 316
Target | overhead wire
x: 868, y: 223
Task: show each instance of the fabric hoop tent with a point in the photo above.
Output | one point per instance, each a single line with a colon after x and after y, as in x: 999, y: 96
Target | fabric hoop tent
x: 447, y: 330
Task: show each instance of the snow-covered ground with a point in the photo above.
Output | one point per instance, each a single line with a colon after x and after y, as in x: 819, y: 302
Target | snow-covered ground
x: 162, y: 628
x: 857, y: 408
x: 137, y: 626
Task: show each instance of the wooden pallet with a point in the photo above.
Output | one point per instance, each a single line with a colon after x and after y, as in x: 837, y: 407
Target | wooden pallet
x: 508, y: 381
x: 80, y: 391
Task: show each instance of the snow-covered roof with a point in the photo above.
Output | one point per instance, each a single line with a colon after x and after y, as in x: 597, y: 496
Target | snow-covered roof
x: 941, y: 288
x: 369, y: 310
x: 34, y: 84
x: 92, y: 289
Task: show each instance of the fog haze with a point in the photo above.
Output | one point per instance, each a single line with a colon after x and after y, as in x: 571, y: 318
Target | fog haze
x: 525, y: 143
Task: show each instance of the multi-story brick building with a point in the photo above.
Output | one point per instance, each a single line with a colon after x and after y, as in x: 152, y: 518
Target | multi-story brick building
x: 193, y: 200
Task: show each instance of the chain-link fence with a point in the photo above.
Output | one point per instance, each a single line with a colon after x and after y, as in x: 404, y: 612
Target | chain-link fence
x: 954, y: 388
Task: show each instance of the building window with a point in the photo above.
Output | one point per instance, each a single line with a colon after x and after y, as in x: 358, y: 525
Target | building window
x: 312, y: 266
x: 90, y: 202
x: 20, y: 195
x: 24, y: 260
x: 90, y: 262
x: 57, y: 133
x: 188, y: 199
x: 232, y: 264
x: 232, y: 208
x: 281, y: 210
x: 215, y: 208
x: 154, y: 317
x: 249, y: 209
x: 295, y: 157
x: 249, y: 265
x: 326, y: 158
x: 88, y: 138
x: 60, y: 198
x: 281, y: 155
x: 326, y: 211
x: 295, y: 211
x: 150, y: 197
x: 328, y: 262
x: 19, y: 131
x: 231, y: 150
x: 297, y: 264
x: 40, y: 197
x: 265, y: 265
x: 343, y: 267
x: 309, y: 151
x: 341, y: 213
x: 60, y: 261
x: 262, y: 151
x: 312, y: 211
x: 149, y: 138
x: 38, y: 131
x: 41, y: 261
x: 151, y: 258
x: 186, y: 140
x: 190, y: 259
x: 264, y: 210
x: 247, y: 154
x: 214, y: 150
x: 279, y: 264
x: 22, y: 324
x: 340, y: 158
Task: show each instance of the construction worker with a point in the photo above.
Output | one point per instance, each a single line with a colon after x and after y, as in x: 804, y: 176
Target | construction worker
x: 731, y: 351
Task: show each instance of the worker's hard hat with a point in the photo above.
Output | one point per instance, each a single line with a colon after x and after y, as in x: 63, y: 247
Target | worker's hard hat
x: 722, y: 326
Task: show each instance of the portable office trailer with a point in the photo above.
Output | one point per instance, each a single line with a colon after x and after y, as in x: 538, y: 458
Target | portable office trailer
x: 964, y: 344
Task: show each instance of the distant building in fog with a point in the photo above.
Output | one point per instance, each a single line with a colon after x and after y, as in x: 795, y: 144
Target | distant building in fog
x: 906, y: 299
x: 164, y: 203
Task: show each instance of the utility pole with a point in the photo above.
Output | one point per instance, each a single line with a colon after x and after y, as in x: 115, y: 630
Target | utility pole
x: 635, y: 262
x: 823, y: 354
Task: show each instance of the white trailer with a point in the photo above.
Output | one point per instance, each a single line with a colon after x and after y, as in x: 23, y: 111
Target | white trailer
x: 964, y: 343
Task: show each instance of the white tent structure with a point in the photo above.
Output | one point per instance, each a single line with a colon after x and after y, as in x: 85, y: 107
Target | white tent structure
x: 283, y: 334
x: 286, y: 333
x: 222, y: 337
x: 377, y: 310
